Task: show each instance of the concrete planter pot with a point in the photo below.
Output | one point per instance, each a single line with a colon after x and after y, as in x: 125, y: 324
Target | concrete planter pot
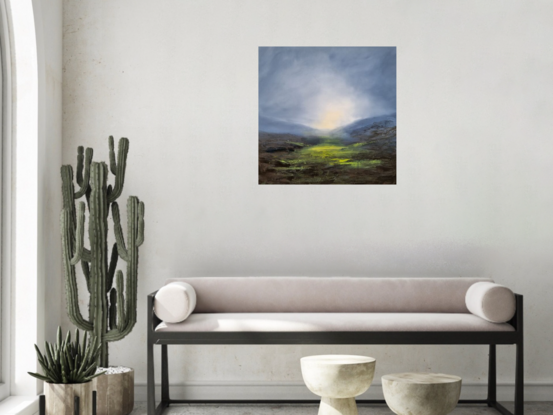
x: 114, y: 393
x: 60, y: 398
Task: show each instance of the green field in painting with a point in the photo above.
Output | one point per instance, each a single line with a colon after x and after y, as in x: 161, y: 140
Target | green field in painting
x: 288, y: 159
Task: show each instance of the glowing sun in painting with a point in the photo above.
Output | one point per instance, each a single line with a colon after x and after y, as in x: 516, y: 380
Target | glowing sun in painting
x: 335, y: 115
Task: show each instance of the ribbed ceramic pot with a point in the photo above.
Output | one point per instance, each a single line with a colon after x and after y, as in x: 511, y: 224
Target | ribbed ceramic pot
x: 114, y: 393
x: 60, y: 398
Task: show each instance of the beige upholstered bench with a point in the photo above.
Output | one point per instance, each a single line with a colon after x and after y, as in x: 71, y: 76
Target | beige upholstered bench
x: 334, y: 310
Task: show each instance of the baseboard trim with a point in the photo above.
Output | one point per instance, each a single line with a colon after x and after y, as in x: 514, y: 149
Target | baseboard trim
x: 533, y: 391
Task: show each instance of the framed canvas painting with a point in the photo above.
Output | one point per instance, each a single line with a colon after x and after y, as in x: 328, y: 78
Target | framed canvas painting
x: 327, y: 115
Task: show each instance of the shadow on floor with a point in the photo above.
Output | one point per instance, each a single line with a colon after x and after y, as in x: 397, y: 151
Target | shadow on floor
x: 531, y: 408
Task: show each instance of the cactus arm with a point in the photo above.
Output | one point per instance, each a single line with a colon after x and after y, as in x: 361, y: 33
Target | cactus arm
x: 114, y: 335
x: 121, y: 167
x: 81, y: 253
x: 80, y: 159
x: 112, y: 164
x: 92, y: 302
x: 86, y: 255
x: 88, y: 197
x: 129, y: 303
x: 68, y: 192
x: 140, y: 238
x: 84, y: 180
x: 121, y: 248
x: 79, y: 240
x: 113, y: 309
x: 98, y: 244
x: 134, y: 216
x: 71, y: 290
x: 133, y: 219
x: 86, y: 273
x: 112, y: 266
x: 121, y: 315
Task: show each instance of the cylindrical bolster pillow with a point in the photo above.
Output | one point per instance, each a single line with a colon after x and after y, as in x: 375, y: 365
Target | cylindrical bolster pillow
x: 492, y: 302
x: 174, y: 302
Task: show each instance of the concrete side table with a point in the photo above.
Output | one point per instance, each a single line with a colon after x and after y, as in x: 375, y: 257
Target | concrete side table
x: 337, y: 379
x: 421, y: 393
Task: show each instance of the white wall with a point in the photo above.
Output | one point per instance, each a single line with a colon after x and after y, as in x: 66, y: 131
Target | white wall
x: 474, y: 194
x: 49, y: 30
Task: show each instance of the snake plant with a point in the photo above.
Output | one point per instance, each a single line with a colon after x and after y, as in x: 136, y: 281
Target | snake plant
x: 67, y: 361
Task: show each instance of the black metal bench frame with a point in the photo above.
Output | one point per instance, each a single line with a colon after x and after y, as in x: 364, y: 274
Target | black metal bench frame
x: 492, y: 339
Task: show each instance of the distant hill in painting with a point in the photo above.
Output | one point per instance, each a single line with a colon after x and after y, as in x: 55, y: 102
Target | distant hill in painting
x: 272, y: 125
x: 365, y: 126
x: 363, y: 152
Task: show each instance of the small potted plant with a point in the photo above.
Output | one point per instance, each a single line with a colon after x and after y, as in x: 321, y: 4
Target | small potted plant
x: 69, y: 368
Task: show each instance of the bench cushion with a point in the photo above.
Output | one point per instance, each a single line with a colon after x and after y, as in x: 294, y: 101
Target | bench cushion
x: 259, y: 322
x: 492, y: 302
x: 329, y: 294
x: 175, y: 302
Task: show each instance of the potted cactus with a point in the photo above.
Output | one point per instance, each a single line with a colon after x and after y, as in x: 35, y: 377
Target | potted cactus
x: 112, y: 300
x: 69, y: 368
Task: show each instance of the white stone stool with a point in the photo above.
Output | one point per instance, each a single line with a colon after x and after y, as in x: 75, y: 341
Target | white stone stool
x: 421, y: 393
x: 337, y: 379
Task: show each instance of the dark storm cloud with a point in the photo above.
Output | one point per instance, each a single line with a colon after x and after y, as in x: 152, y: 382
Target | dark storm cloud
x: 312, y: 85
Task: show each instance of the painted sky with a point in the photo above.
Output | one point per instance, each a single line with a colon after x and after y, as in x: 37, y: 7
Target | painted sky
x: 326, y: 87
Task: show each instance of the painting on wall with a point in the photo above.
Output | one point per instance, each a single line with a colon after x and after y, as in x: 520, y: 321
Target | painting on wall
x: 327, y: 115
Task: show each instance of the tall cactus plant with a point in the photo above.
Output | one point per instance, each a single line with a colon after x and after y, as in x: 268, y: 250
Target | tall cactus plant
x: 111, y: 309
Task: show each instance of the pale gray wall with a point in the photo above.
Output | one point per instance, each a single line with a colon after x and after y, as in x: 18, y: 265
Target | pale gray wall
x: 475, y: 159
x: 49, y: 30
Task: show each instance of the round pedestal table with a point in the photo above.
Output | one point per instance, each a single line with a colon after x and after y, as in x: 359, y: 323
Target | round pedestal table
x: 421, y: 393
x: 338, y: 379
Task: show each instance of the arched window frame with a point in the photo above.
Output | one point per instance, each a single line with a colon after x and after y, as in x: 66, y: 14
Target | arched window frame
x: 22, y: 305
x: 5, y: 198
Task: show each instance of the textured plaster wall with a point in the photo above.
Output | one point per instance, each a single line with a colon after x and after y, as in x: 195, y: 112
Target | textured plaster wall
x: 475, y: 159
x: 48, y: 20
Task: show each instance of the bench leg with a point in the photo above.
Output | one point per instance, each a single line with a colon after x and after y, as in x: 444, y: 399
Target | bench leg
x: 519, y: 380
x: 151, y: 380
x: 164, y: 374
x: 492, y: 376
